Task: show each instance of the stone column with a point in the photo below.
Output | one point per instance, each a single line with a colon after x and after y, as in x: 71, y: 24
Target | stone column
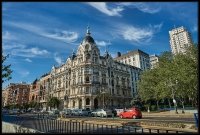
x: 83, y: 102
x: 91, y: 102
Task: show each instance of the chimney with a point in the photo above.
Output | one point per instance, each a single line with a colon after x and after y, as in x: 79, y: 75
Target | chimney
x: 118, y: 54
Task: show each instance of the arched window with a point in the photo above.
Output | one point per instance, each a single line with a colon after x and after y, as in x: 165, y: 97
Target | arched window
x: 86, y: 47
x: 87, y: 101
x: 73, y: 104
x: 33, y: 97
x: 87, y: 79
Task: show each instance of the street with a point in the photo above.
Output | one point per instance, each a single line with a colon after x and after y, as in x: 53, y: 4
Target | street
x: 52, y: 125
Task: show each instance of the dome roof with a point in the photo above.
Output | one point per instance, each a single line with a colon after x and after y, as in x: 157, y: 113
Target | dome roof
x: 89, y: 39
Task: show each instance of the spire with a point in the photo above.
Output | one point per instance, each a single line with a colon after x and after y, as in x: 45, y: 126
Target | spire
x: 88, y: 30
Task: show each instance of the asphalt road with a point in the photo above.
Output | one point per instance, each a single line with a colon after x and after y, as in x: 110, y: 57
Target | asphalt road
x: 145, y: 118
x: 51, y: 125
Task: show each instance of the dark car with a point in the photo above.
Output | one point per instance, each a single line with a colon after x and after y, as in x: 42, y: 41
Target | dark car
x: 114, y: 112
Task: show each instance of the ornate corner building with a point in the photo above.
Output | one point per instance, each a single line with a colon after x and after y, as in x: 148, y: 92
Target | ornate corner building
x: 89, y: 80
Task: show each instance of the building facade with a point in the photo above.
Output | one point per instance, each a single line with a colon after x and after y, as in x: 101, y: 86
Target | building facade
x: 34, y: 91
x: 136, y: 58
x: 4, y: 97
x: 153, y: 61
x: 44, y: 88
x: 180, y: 40
x: 17, y: 93
x: 89, y: 80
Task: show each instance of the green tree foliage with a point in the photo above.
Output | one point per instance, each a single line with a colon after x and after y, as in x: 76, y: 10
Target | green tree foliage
x: 175, y: 77
x: 6, y: 70
x: 53, y: 102
x: 33, y: 104
x: 104, y: 97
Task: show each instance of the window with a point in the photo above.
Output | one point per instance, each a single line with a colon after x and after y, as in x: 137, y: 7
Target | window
x: 74, y: 104
x: 87, y: 79
x: 117, y: 80
x: 103, y: 78
x: 87, y: 101
x: 87, y: 47
x: 59, y: 83
x: 87, y: 90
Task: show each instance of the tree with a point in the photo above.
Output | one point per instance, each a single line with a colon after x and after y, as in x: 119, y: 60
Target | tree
x: 175, y: 78
x: 136, y: 101
x: 104, y: 96
x: 33, y: 104
x: 6, y: 71
x: 53, y: 102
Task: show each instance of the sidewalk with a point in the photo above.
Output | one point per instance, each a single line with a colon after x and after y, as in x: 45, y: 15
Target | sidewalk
x: 168, y: 114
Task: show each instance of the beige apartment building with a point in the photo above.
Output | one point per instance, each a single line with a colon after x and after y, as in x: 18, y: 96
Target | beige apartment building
x: 153, y: 61
x: 136, y: 58
x: 180, y: 40
x: 16, y: 93
x: 89, y: 80
x: 39, y: 91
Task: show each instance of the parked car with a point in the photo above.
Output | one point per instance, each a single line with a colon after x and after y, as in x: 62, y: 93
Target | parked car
x: 84, y: 112
x: 101, y: 112
x: 114, y: 112
x: 75, y: 112
x: 29, y: 110
x: 119, y: 111
x: 44, y: 111
x: 5, y: 111
x: 131, y: 113
x: 66, y: 111
x: 54, y: 112
x: 23, y: 111
x: 14, y: 111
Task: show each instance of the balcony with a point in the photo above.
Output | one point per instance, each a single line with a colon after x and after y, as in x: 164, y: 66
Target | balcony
x: 87, y: 72
x: 96, y: 73
x: 124, y: 87
x: 95, y: 82
x: 117, y: 85
x: 104, y: 83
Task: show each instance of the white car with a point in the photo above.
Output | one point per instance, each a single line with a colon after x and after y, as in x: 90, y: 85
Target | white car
x: 102, y: 112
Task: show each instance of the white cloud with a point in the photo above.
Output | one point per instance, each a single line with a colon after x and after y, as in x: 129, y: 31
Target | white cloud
x: 12, y: 45
x: 102, y: 43
x: 7, y: 36
x: 119, y: 7
x: 29, y: 52
x: 58, y: 59
x: 66, y: 36
x: 144, y: 7
x: 138, y: 35
x: 61, y: 35
x: 103, y: 7
x: 28, y: 60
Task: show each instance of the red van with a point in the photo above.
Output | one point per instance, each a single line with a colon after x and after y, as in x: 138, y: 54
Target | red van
x: 131, y: 113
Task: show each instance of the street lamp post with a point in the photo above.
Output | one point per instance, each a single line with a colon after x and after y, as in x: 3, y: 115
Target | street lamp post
x: 103, y: 98
x: 173, y: 95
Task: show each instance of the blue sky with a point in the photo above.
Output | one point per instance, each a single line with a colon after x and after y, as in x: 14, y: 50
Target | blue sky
x: 38, y: 35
